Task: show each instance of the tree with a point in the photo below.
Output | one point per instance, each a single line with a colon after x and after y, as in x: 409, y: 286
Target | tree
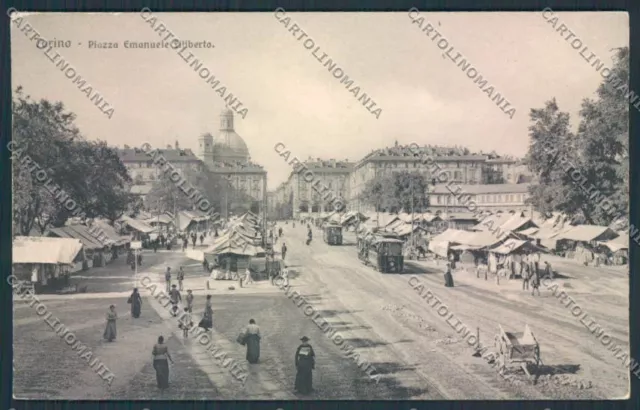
x: 596, y: 159
x: 57, y: 173
x: 394, y: 192
x: 492, y: 176
x: 603, y: 143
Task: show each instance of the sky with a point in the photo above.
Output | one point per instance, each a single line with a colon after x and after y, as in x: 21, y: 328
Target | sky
x: 293, y: 99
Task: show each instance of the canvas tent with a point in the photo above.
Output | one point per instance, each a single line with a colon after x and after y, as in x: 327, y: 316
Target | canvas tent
x: 32, y: 249
x: 587, y: 233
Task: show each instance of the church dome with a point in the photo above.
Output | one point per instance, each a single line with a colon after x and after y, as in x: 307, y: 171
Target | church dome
x: 229, y: 146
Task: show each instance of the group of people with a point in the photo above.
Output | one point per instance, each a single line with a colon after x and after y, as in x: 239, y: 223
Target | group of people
x: 194, y: 239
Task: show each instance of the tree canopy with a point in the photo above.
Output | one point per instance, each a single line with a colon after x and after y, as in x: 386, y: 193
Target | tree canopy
x: 393, y: 192
x: 576, y: 172
x: 57, y: 173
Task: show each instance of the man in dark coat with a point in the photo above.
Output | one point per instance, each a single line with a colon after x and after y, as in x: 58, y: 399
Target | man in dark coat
x: 305, y: 362
x: 284, y: 250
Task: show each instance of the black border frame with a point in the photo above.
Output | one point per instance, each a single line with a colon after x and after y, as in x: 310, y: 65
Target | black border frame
x: 6, y: 338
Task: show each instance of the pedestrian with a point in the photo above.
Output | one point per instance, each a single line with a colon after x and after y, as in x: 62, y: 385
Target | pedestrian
x: 547, y: 270
x: 185, y: 243
x: 189, y: 300
x: 110, y: 331
x: 139, y: 257
x: 280, y: 232
x: 252, y: 340
x: 185, y: 322
x: 175, y: 298
x: 167, y: 279
x: 207, y: 318
x: 180, y: 278
x: 201, y: 239
x: 448, y: 278
x: 525, y: 276
x: 247, y: 277
x: 284, y: 250
x: 285, y: 276
x: 305, y: 363
x: 155, y: 245
x: 136, y: 303
x: 309, y: 236
x: 535, y: 284
x: 194, y: 239
x: 161, y: 359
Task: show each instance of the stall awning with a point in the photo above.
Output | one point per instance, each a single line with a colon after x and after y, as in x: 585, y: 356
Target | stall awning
x: 101, y: 227
x: 36, y: 249
x: 587, y: 233
x: 509, y: 246
x: 138, y: 225
x: 529, y: 231
x: 80, y: 232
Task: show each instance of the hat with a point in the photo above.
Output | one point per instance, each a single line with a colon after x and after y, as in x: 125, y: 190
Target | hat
x: 304, y: 339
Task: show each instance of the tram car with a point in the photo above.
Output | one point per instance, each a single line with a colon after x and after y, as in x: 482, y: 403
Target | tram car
x: 332, y: 234
x: 382, y: 251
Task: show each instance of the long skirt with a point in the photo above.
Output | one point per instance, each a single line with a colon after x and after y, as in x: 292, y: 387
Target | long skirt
x: 448, y: 280
x: 110, y: 331
x: 135, y: 309
x: 253, y: 348
x: 206, y: 323
x: 162, y: 373
x: 304, y: 380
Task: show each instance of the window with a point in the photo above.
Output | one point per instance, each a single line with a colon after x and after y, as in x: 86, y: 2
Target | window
x: 458, y: 175
x: 439, y: 200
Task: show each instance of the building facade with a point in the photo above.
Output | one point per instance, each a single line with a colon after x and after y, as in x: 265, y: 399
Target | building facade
x: 228, y: 156
x: 144, y: 172
x: 493, y: 197
x: 459, y: 166
x: 296, y: 197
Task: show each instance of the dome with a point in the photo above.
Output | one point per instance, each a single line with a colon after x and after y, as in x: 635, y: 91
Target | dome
x: 230, y: 146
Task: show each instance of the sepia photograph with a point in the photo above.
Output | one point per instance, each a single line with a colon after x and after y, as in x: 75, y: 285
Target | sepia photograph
x: 293, y: 205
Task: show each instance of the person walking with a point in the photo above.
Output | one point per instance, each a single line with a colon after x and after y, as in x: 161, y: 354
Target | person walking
x: 309, y: 236
x: 167, y: 279
x: 280, y: 232
x: 247, y: 277
x: 186, y: 323
x: 110, y: 332
x: 448, y: 278
x: 189, y: 300
x: 252, y: 340
x: 525, y: 276
x: 161, y: 358
x: 155, y: 245
x: 547, y: 270
x: 185, y: 243
x: 207, y: 318
x: 135, y: 300
x: 194, y: 239
x: 175, y: 298
x: 180, y: 278
x: 305, y: 361
x: 284, y: 250
x: 201, y: 239
x: 139, y: 257
x: 535, y: 284
x: 285, y: 276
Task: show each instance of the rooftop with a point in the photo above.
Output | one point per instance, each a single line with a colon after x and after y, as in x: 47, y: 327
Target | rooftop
x: 481, y: 189
x: 171, y: 155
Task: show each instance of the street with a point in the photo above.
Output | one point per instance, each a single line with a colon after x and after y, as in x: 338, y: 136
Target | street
x: 415, y: 352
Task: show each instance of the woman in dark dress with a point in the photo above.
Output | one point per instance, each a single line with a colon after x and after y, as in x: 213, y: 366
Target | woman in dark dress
x: 110, y: 331
x: 207, y: 318
x: 252, y: 340
x: 136, y: 303
x: 161, y: 359
x: 305, y: 363
x: 448, y: 277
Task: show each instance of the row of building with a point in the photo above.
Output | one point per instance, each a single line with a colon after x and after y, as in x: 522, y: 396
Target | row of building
x: 492, y: 181
x: 226, y: 155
